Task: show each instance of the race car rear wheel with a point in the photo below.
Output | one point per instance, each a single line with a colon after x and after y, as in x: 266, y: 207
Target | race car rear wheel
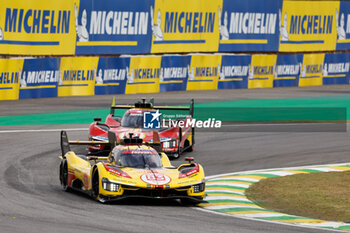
x: 188, y: 147
x: 64, y: 175
x: 174, y: 156
x: 95, y: 185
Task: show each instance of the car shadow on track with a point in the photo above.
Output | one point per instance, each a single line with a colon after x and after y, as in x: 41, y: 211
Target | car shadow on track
x: 132, y: 201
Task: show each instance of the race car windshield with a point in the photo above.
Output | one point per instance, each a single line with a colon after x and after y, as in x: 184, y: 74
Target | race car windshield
x: 131, y: 120
x: 140, y: 160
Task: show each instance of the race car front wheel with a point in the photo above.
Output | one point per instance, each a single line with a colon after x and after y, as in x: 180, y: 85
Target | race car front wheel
x: 64, y: 175
x: 95, y: 184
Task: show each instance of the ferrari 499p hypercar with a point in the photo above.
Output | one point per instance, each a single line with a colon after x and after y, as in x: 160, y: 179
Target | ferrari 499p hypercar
x: 133, y: 169
x: 175, y: 137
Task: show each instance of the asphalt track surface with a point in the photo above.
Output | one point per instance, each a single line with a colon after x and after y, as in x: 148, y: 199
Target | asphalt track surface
x: 31, y: 199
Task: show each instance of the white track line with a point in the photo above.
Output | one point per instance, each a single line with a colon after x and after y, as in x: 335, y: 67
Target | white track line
x: 279, y: 124
x: 219, y: 207
x: 279, y: 173
x: 223, y: 190
x: 236, y: 178
x: 41, y: 130
x: 251, y: 172
x: 325, y: 169
x: 227, y: 198
x: 231, y: 184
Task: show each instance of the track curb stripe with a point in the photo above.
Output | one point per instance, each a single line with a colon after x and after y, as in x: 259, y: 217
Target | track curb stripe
x: 226, y: 195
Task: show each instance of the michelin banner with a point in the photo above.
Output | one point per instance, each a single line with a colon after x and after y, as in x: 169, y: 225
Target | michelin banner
x: 336, y: 68
x: 82, y: 76
x: 182, y: 25
x: 342, y: 22
x: 311, y: 70
x: 77, y: 76
x: 110, y: 27
x: 262, y: 71
x: 113, y: 26
x: 156, y: 26
x: 174, y: 73
x: 287, y: 70
x: 251, y: 25
x: 143, y: 75
x: 234, y: 71
x: 39, y: 78
x: 203, y: 72
x: 10, y: 70
x: 111, y: 75
x: 37, y: 27
x: 308, y: 26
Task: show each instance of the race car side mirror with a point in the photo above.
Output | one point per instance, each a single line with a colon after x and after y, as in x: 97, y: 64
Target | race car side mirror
x: 97, y: 119
x: 189, y: 160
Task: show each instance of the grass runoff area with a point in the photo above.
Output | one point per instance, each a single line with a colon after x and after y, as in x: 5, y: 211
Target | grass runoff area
x: 330, y: 108
x: 323, y: 195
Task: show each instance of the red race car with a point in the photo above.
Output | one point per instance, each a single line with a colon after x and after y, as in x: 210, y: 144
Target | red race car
x: 142, y: 120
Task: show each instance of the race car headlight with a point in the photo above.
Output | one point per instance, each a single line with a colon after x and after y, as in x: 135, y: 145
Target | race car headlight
x: 198, y: 188
x: 169, y: 144
x: 109, y: 186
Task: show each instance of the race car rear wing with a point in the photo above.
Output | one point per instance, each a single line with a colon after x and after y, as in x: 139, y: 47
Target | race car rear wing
x: 150, y: 104
x: 65, y: 143
x: 111, y: 143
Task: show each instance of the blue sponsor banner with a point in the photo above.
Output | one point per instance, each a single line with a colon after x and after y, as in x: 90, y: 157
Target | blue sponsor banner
x: 336, y: 68
x: 343, y: 26
x: 174, y: 73
x: 113, y: 27
x: 111, y: 75
x: 287, y: 70
x: 252, y: 25
x: 234, y: 71
x: 39, y: 78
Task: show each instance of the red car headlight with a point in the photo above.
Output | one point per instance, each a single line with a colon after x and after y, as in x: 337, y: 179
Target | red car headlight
x: 169, y: 144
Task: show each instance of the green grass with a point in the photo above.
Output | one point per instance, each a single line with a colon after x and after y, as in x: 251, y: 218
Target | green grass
x: 324, y: 195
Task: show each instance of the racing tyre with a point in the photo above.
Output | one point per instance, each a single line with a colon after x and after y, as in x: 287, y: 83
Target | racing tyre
x: 95, y: 185
x: 64, y: 175
x: 175, y: 156
x: 190, y: 148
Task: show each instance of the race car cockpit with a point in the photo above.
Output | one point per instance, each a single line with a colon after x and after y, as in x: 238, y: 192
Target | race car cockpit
x: 132, y: 120
x: 137, y: 158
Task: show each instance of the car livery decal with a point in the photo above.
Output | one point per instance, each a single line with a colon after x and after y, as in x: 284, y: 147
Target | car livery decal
x: 96, y: 137
x: 86, y: 181
x: 140, y: 151
x: 155, y: 178
x: 116, y: 171
x: 161, y: 139
x: 189, y: 173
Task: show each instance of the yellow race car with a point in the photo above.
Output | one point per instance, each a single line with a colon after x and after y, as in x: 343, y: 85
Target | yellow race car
x: 133, y: 169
